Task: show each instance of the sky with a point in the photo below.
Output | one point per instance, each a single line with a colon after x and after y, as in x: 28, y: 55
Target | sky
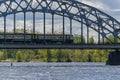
x: 111, y: 7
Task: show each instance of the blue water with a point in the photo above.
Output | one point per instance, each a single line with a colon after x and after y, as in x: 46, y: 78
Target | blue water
x: 58, y: 71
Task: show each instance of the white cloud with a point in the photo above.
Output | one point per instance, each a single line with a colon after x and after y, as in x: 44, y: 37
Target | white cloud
x: 116, y: 10
x: 95, y: 3
x: 111, y: 8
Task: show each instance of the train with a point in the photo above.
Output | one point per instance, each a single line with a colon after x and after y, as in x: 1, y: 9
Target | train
x: 36, y: 38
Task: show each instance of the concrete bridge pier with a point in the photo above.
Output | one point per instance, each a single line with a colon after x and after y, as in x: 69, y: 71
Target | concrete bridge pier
x: 113, y: 58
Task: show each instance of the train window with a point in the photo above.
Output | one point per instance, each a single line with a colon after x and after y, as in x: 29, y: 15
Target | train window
x: 61, y: 36
x: 53, y: 37
x: 19, y: 36
x: 41, y: 36
x: 1, y: 36
x: 65, y: 36
x: 31, y: 37
x: 58, y: 37
x: 36, y: 36
x: 45, y: 36
x: 68, y: 37
x: 48, y: 37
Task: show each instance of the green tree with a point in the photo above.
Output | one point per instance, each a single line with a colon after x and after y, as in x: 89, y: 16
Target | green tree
x: 53, y: 54
x: 42, y: 55
x: 82, y: 39
x: 49, y: 55
x: 11, y: 53
x: 91, y: 40
x: 5, y: 55
x: 59, y: 55
x: 110, y: 39
x: 1, y: 55
x: 79, y: 39
x: 19, y: 56
x: 77, y: 55
x: 28, y: 55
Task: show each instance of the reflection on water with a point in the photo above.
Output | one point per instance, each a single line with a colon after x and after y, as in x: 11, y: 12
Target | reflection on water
x: 58, y: 71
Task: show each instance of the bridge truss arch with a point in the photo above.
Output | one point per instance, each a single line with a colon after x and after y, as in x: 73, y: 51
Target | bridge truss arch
x: 88, y: 17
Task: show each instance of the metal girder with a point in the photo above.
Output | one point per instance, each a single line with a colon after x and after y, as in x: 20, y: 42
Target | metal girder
x: 58, y: 46
x: 87, y: 15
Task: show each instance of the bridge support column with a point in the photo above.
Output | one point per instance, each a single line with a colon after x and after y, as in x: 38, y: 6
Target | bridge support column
x: 113, y: 58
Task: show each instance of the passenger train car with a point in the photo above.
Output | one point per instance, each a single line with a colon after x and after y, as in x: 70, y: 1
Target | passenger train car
x: 36, y: 38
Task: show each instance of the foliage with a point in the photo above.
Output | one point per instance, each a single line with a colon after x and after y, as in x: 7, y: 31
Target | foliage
x: 110, y: 39
x: 79, y: 39
x: 53, y: 55
x: 91, y: 40
x: 19, y: 56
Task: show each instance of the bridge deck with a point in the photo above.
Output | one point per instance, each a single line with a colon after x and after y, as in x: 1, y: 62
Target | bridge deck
x: 59, y: 46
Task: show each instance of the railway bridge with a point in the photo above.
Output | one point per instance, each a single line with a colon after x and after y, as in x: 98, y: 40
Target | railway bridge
x: 62, y: 24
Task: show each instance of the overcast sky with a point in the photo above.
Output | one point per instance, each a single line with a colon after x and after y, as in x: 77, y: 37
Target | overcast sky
x: 111, y: 7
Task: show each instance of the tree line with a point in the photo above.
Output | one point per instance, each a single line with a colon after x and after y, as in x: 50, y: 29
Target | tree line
x: 54, y: 55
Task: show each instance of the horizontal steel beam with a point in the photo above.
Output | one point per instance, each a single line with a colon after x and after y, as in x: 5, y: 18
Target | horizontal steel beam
x: 59, y: 46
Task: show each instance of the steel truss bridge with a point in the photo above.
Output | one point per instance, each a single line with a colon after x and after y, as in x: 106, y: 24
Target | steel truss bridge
x: 15, y: 16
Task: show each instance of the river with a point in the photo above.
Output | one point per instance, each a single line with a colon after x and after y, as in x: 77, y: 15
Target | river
x: 58, y: 71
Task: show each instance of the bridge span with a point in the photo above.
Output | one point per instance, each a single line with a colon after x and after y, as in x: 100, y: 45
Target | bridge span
x: 60, y: 46
x: 56, y: 21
